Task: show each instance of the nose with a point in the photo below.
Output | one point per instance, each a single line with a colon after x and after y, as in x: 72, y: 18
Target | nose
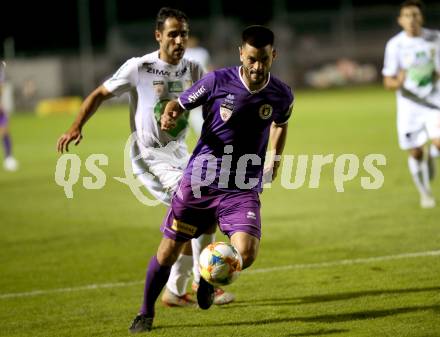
x: 258, y: 66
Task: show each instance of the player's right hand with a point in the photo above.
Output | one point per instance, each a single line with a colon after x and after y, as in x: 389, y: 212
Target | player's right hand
x: 73, y: 134
x: 170, y: 115
x: 168, y: 120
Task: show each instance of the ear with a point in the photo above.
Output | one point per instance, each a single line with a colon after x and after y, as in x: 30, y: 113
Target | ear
x: 274, y: 53
x: 158, y: 35
x: 240, y: 49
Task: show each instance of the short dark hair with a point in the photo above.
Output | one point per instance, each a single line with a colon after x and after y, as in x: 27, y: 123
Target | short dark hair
x: 257, y: 36
x: 167, y: 12
x: 410, y: 3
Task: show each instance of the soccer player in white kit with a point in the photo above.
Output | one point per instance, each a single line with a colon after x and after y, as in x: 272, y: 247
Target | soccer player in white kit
x: 412, y: 68
x: 151, y: 81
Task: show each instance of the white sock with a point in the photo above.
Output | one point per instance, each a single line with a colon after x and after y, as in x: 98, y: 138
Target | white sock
x: 180, y: 274
x: 434, y: 152
x: 425, y: 176
x: 197, y: 246
x: 420, y: 174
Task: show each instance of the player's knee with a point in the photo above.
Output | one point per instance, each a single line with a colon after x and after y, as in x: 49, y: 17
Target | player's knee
x: 248, y: 256
x: 168, y: 251
x: 247, y: 245
x: 436, y: 143
x: 416, y: 153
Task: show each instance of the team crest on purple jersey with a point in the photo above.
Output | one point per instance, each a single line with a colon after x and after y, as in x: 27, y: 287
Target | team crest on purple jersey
x: 265, y: 111
x: 227, y: 108
x: 225, y: 114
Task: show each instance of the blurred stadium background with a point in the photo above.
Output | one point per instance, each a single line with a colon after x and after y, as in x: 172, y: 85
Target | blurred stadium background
x: 69, y: 52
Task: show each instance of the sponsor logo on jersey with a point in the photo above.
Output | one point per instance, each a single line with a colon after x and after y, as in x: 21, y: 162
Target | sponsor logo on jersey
x: 183, y: 227
x: 149, y: 69
x: 175, y: 86
x: 265, y: 111
x: 181, y: 72
x: 159, y: 88
x: 194, y: 96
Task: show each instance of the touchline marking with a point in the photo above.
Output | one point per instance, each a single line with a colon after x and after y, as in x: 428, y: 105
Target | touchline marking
x: 72, y: 289
x: 347, y: 262
x: 254, y: 271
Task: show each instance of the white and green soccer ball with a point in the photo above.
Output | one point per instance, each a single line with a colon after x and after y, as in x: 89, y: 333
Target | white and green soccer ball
x: 220, y: 263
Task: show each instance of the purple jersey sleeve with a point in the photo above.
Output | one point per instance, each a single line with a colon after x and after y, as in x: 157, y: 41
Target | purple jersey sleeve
x: 199, y: 93
x: 286, y: 109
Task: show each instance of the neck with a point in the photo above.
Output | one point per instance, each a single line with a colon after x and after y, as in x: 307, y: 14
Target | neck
x: 414, y: 33
x: 164, y: 57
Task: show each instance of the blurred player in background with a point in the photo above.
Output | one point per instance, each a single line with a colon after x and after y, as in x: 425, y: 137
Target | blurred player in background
x: 151, y: 81
x: 9, y: 163
x: 243, y: 107
x: 412, y: 68
x: 195, y: 52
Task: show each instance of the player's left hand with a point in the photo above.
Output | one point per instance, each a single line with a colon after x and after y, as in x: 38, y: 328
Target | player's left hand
x: 270, y: 173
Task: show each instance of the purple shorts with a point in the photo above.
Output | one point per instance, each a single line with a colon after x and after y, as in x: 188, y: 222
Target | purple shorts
x: 3, y: 118
x: 189, y: 216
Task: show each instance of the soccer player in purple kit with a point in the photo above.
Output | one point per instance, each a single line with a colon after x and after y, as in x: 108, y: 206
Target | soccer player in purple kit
x: 10, y: 163
x: 243, y: 107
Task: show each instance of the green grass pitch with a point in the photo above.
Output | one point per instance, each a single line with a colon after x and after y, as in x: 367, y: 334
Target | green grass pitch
x: 87, y: 255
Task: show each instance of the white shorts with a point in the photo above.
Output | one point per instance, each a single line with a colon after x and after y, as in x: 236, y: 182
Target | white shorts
x: 416, y: 123
x: 160, y: 169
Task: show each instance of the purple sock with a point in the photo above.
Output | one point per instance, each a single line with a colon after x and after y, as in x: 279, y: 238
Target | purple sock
x: 7, y: 145
x: 157, y: 277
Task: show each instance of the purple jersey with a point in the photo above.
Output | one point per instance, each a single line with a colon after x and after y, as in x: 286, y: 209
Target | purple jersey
x: 231, y: 150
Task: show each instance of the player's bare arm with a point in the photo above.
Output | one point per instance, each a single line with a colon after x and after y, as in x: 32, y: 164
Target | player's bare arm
x: 88, y: 108
x: 394, y: 82
x: 278, y: 135
x: 172, y: 112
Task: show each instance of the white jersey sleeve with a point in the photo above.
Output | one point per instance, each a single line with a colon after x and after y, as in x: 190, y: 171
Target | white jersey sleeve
x: 391, y: 60
x: 197, y: 71
x: 124, y: 79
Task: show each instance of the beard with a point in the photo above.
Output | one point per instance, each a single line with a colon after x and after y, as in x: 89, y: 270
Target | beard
x: 254, y: 77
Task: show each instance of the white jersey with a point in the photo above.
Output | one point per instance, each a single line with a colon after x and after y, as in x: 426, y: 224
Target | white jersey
x: 199, y: 55
x: 151, y: 83
x: 419, y: 57
x: 157, y: 156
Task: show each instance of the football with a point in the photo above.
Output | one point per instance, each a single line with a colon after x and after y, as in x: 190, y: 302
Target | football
x: 220, y: 263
